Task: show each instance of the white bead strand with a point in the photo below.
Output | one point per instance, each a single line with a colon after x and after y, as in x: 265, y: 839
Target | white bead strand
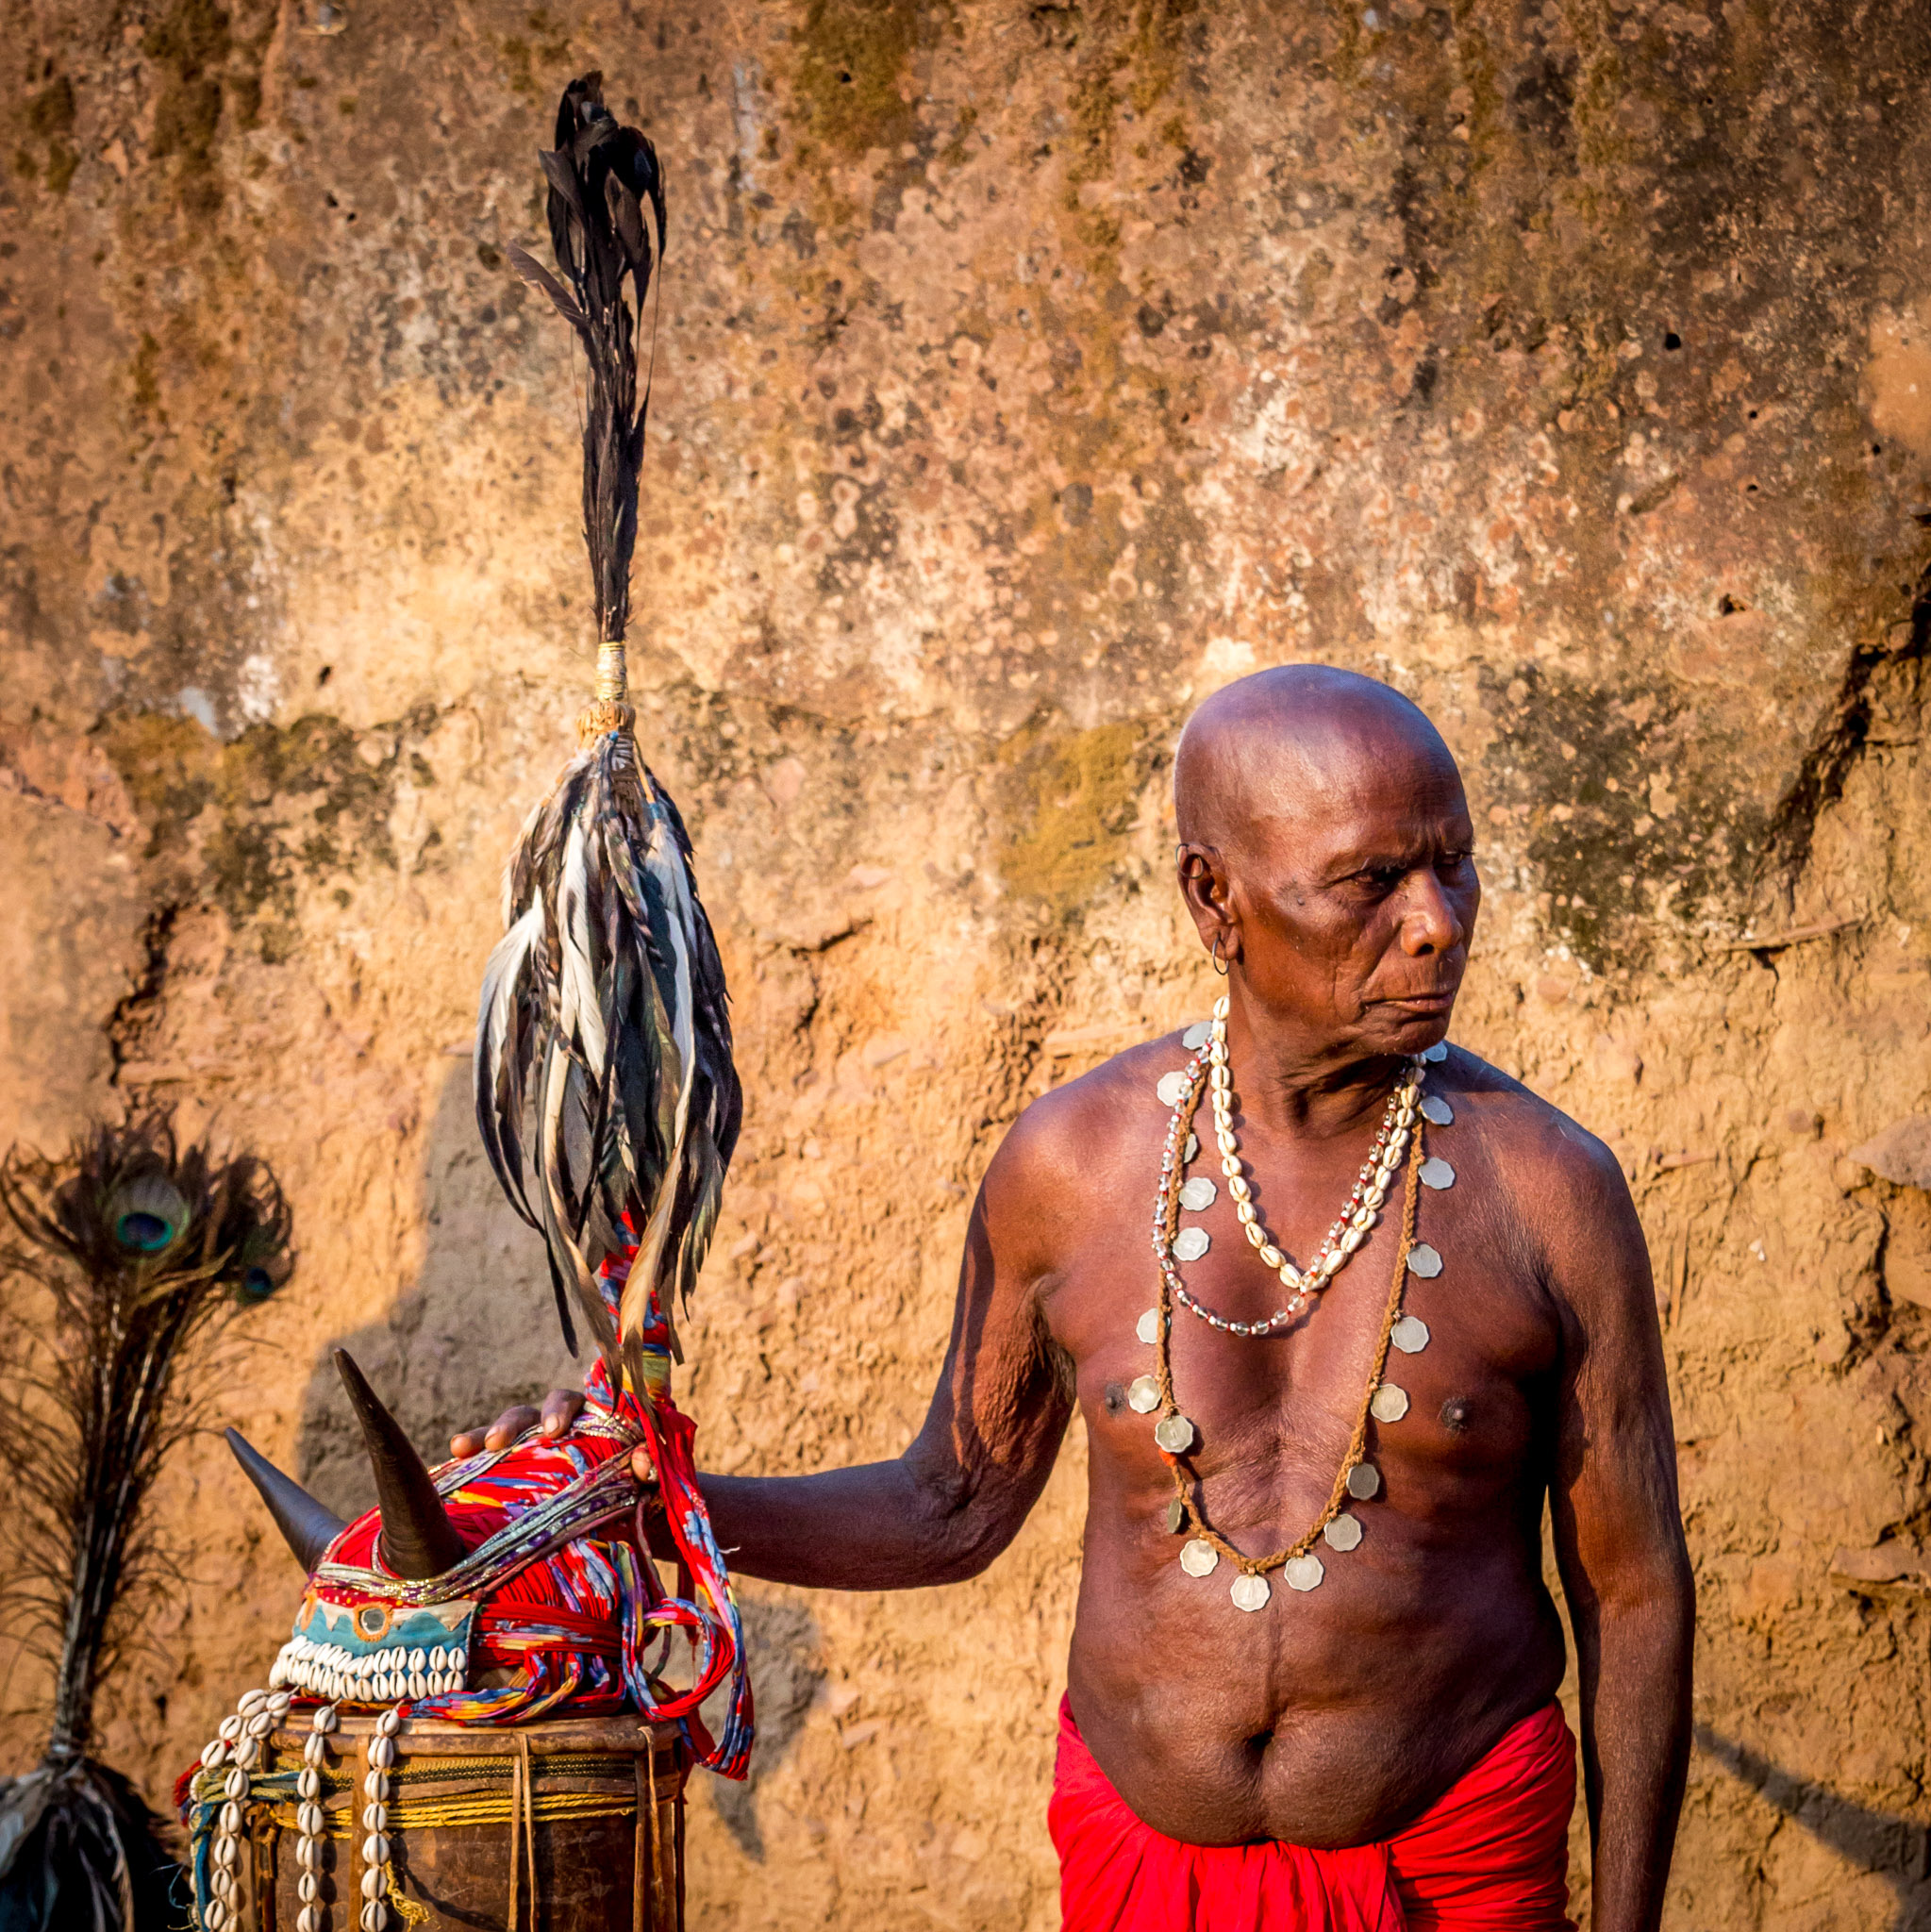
x: 1359, y: 1215
x: 1364, y: 1205
x: 312, y: 1822
x: 379, y: 1755
x: 237, y: 1744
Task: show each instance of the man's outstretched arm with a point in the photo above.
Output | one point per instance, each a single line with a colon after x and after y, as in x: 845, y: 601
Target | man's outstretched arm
x: 945, y: 1508
x: 1619, y: 1544
x: 958, y: 1495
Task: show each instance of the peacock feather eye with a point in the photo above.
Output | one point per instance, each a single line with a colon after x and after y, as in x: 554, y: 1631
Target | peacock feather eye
x: 260, y: 1264
x: 148, y: 1233
x: 148, y: 1214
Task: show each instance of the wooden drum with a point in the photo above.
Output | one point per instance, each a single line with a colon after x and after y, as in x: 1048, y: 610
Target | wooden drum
x: 572, y: 1826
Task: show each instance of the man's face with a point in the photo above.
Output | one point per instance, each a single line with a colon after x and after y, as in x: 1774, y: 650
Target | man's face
x: 1357, y: 895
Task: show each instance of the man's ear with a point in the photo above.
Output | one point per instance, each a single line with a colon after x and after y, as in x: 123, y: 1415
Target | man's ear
x: 1205, y: 885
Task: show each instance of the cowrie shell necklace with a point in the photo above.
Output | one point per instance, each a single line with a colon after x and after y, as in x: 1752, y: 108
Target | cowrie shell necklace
x: 1383, y: 1402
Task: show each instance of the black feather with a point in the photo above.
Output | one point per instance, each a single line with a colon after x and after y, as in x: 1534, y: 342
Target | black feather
x: 81, y: 1852
x: 607, y: 218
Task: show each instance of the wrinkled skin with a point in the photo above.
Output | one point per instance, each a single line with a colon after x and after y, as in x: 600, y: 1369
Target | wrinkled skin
x: 1328, y: 861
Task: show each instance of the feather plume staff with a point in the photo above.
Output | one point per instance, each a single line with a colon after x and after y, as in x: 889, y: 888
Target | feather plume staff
x: 143, y: 1249
x: 606, y: 1094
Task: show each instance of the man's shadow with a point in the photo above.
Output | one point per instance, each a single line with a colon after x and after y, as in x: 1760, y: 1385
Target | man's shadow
x: 476, y: 1332
x: 1892, y: 1848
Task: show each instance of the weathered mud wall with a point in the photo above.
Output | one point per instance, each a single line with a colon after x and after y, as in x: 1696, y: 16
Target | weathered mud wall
x: 1025, y: 371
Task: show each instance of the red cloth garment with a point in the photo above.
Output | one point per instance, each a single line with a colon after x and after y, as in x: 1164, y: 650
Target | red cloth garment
x: 1491, y: 1855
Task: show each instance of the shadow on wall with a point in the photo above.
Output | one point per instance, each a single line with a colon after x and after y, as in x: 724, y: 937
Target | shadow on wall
x: 1895, y: 1849
x: 782, y: 1640
x: 475, y: 1333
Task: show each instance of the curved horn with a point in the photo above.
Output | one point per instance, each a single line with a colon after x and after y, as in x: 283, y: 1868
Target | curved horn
x: 418, y: 1540
x: 305, y: 1526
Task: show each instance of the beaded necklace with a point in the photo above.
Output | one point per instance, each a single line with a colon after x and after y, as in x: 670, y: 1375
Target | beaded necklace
x: 1382, y: 1401
x: 1357, y: 1216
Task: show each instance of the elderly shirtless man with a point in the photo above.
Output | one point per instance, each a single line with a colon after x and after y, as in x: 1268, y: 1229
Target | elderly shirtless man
x: 1364, y: 1736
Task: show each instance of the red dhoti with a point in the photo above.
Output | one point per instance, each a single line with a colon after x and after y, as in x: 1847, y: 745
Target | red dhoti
x: 1491, y: 1855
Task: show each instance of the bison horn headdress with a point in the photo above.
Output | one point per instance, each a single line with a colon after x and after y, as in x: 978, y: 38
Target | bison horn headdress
x: 516, y: 1584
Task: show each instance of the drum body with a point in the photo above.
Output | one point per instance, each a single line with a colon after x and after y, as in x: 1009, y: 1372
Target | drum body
x: 571, y: 1826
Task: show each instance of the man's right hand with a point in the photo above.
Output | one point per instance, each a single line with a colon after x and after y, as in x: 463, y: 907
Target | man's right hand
x: 561, y: 1407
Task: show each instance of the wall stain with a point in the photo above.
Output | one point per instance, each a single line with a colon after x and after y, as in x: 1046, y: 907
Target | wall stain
x: 211, y: 57
x: 1628, y: 824
x: 252, y: 820
x: 49, y: 123
x: 1068, y: 801
x: 852, y: 55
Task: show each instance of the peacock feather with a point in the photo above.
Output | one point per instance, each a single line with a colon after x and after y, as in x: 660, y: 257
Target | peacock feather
x: 606, y: 1092
x: 142, y: 1249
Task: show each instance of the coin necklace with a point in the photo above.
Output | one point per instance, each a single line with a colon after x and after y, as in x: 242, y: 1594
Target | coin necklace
x: 1384, y: 1402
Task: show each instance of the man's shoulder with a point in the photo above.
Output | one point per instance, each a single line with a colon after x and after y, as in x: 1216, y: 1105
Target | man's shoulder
x: 1077, y: 1128
x: 1564, y: 1186
x: 1530, y: 1139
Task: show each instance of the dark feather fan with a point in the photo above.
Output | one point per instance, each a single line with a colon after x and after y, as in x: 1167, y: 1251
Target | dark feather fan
x: 142, y: 1248
x: 606, y: 1092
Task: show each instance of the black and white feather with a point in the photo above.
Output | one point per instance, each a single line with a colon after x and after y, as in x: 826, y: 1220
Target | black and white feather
x: 604, y: 1088
x: 606, y: 1092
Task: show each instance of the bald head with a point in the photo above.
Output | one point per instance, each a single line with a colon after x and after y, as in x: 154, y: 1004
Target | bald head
x: 1327, y: 860
x: 1268, y: 747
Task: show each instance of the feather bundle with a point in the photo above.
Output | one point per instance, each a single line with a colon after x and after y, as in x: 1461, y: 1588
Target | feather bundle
x: 143, y: 1248
x: 81, y: 1852
x: 604, y: 1090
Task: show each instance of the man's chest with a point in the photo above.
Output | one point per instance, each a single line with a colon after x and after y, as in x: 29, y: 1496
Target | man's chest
x: 1440, y: 1366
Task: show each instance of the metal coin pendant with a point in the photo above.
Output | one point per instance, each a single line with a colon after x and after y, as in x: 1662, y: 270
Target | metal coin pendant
x: 1142, y: 1395
x: 1149, y: 1328
x: 1175, y: 1434
x: 1364, y: 1482
x: 1435, y: 1055
x: 1389, y: 1405
x: 1190, y: 1243
x: 1436, y: 1110
x: 1425, y: 1261
x: 1250, y: 1592
x: 1410, y: 1335
x: 1303, y: 1573
x: 1344, y: 1532
x: 1197, y: 1034
x: 1197, y: 1195
x: 1176, y: 1516
x: 1436, y: 1174
x: 1199, y: 1558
